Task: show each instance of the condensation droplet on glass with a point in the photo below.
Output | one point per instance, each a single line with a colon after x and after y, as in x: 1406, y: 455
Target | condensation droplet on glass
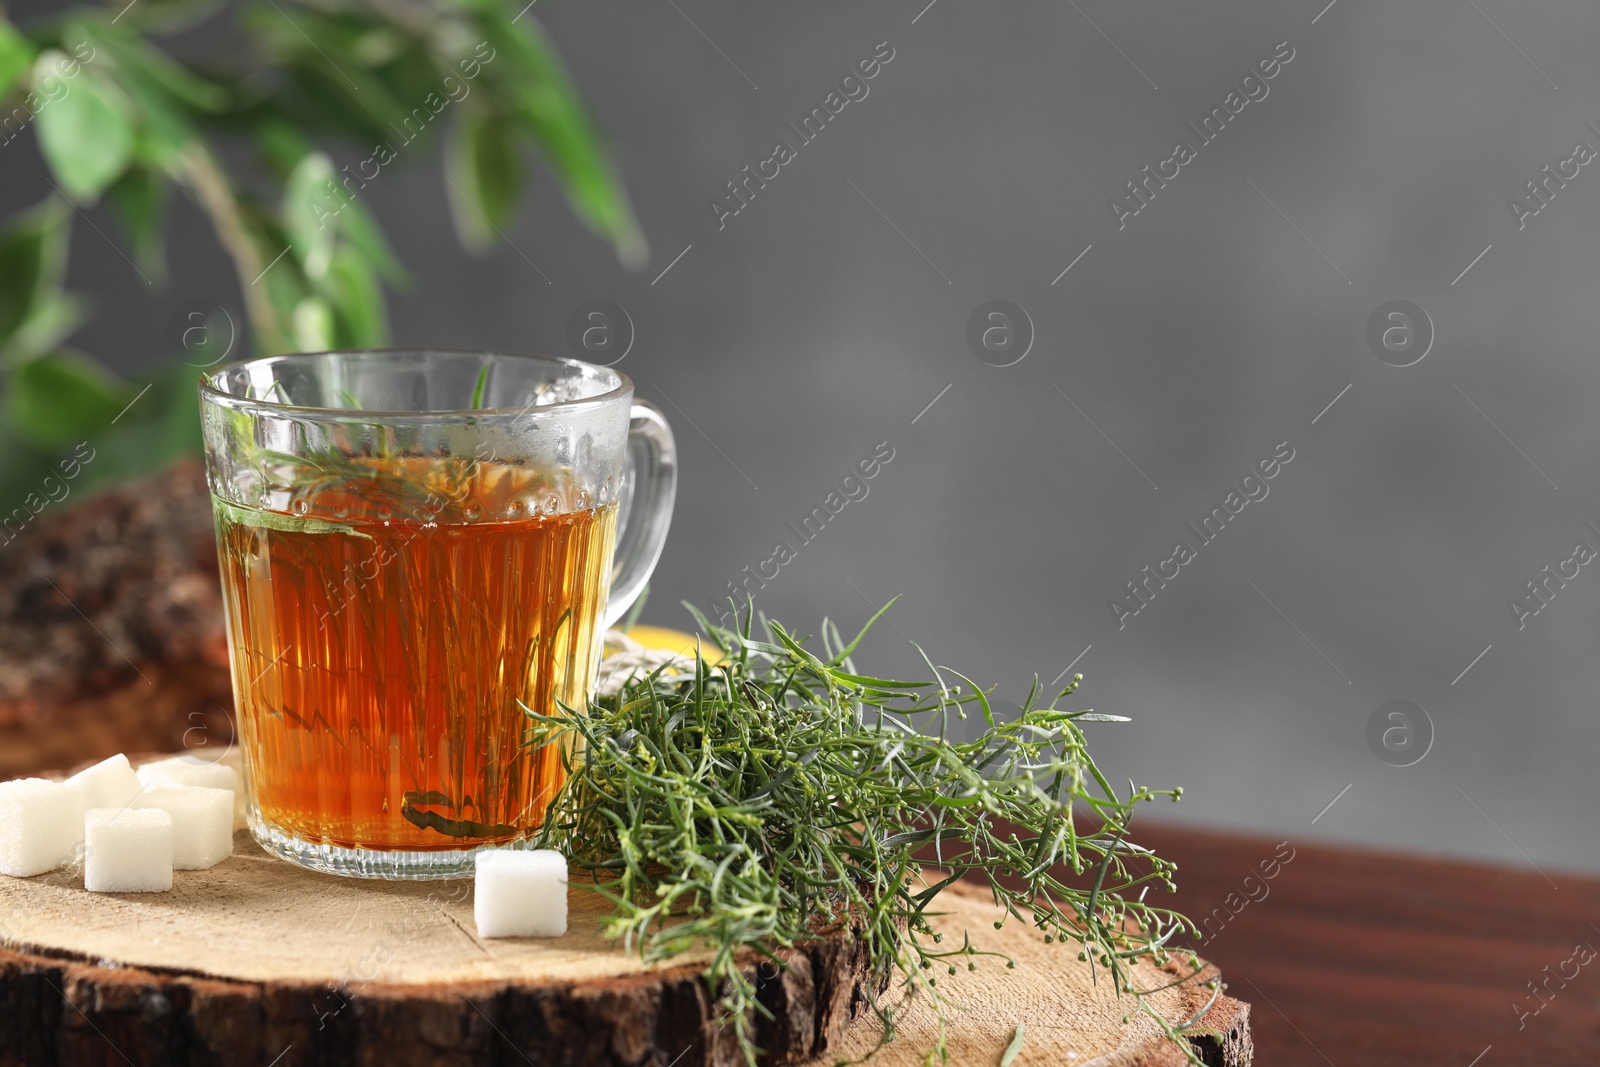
x: 385, y: 512
x: 302, y: 506
x: 552, y: 505
x: 340, y: 511
x: 472, y: 512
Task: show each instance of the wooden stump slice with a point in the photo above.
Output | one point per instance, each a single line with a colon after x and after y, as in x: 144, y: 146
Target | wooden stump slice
x: 259, y: 962
x: 1069, y: 1018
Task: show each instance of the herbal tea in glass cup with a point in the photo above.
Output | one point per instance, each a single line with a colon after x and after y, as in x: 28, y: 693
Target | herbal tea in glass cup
x: 417, y: 548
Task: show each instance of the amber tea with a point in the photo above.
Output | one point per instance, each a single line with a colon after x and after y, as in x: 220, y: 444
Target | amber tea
x: 418, y: 549
x: 384, y: 647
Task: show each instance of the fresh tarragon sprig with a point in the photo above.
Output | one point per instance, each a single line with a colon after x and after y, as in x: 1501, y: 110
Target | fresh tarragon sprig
x: 776, y: 793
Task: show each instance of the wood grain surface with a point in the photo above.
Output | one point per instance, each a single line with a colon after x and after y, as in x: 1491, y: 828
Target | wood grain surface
x: 257, y: 961
x: 1364, y: 958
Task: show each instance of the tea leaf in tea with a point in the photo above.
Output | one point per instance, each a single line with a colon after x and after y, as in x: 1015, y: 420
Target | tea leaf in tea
x: 276, y: 520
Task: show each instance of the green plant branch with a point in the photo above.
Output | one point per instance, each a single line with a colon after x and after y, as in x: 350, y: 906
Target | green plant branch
x: 117, y: 118
x: 214, y: 193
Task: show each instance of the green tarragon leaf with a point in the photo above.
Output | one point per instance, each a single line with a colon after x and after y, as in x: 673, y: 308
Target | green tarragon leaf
x: 479, y: 388
x: 1014, y: 1049
x: 276, y: 520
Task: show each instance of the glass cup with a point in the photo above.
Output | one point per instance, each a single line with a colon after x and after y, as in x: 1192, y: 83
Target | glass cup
x: 417, y: 546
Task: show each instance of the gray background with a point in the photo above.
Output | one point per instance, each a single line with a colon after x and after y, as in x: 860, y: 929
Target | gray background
x: 785, y: 346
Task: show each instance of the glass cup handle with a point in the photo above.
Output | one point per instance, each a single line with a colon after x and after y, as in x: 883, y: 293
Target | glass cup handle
x: 650, y: 481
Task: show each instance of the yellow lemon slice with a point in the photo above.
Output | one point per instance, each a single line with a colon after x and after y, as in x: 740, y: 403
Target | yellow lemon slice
x: 668, y: 640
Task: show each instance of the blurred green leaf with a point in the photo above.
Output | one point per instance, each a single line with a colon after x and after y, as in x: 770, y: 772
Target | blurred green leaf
x: 140, y: 198
x: 51, y: 319
x: 21, y: 255
x: 335, y: 87
x: 362, y: 231
x: 485, y: 176
x: 62, y: 397
x: 161, y: 426
x: 133, y: 55
x: 32, y: 260
x: 164, y: 131
x: 174, y: 413
x: 329, y: 103
x: 378, y: 46
x: 313, y: 325
x: 311, y: 213
x: 167, y: 16
x: 524, y: 67
x: 352, y: 289
x: 284, y: 285
x: 24, y: 471
x: 163, y: 94
x: 281, y: 144
x: 86, y: 135
x: 16, y: 56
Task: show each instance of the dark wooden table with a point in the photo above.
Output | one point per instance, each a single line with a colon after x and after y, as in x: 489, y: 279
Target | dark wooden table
x: 1366, y: 958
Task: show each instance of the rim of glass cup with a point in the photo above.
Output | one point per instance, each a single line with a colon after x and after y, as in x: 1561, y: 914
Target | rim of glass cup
x: 210, y: 391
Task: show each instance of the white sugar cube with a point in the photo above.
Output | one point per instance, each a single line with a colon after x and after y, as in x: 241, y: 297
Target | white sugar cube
x: 186, y: 770
x: 520, y: 893
x: 41, y: 823
x: 202, y: 823
x: 127, y: 850
x: 110, y: 783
